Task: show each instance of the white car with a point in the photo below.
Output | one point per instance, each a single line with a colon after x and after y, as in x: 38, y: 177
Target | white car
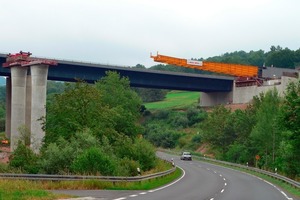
x: 186, y: 156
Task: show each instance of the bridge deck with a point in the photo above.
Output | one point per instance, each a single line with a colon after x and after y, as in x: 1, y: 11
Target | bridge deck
x: 70, y: 71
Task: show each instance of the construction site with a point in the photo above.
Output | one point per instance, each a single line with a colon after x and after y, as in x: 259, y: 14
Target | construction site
x: 249, y: 81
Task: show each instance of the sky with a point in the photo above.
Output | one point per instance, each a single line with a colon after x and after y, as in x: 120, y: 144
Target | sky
x: 125, y: 32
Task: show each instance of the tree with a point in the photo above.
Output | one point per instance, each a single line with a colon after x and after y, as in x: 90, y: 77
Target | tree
x: 278, y: 57
x: 267, y: 127
x: 116, y: 94
x: 79, y: 107
x: 290, y: 120
x: 151, y: 95
x: 216, y: 130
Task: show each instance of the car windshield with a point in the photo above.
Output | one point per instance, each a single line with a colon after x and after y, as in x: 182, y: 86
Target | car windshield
x: 186, y: 153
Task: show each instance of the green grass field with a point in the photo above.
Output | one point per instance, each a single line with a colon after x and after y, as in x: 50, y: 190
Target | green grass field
x: 175, y: 100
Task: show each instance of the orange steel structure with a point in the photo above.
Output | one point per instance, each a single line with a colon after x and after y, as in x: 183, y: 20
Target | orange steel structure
x: 224, y: 68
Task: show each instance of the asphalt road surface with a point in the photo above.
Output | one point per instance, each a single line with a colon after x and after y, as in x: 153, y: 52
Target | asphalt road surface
x: 200, y: 181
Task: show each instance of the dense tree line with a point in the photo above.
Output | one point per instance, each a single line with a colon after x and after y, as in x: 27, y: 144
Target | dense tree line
x: 276, y: 57
x: 90, y: 129
x: 269, y: 127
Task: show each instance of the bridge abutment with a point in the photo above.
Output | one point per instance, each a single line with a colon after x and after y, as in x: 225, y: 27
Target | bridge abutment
x: 208, y: 99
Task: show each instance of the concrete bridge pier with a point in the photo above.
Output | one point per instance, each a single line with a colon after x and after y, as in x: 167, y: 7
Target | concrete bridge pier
x: 18, y: 103
x: 39, y: 74
x: 26, y: 104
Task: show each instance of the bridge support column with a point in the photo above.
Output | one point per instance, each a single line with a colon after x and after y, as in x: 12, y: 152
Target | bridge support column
x: 8, y: 108
x: 18, y: 103
x: 39, y: 74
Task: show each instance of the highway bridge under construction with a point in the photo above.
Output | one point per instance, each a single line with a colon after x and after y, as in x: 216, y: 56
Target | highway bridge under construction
x: 27, y: 76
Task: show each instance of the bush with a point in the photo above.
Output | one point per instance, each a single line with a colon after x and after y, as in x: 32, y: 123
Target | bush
x: 196, y: 139
x: 195, y: 115
x: 25, y: 159
x: 94, y: 161
x: 57, y: 157
x: 144, y: 153
x: 127, y: 167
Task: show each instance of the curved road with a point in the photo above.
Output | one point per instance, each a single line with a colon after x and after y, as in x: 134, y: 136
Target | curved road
x: 200, y: 181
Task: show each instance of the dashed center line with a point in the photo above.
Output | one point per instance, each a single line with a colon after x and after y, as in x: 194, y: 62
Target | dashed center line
x: 134, y: 195
x: 143, y: 193
x: 222, y: 191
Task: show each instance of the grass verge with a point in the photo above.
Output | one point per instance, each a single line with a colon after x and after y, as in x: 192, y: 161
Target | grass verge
x: 36, y: 190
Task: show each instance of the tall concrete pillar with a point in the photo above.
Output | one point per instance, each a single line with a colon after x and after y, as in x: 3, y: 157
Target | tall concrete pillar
x: 8, y: 108
x: 28, y: 104
x: 39, y: 74
x: 18, y: 103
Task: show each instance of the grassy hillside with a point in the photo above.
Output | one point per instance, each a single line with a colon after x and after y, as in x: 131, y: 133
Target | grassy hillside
x: 175, y: 100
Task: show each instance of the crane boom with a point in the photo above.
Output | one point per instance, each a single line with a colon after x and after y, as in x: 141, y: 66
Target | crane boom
x: 224, y: 68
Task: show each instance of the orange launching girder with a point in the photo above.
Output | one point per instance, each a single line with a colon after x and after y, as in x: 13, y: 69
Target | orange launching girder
x: 224, y: 68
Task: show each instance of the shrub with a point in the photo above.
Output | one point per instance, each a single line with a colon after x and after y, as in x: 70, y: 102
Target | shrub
x: 94, y: 161
x: 144, y: 153
x: 127, y: 167
x: 57, y: 157
x: 24, y: 158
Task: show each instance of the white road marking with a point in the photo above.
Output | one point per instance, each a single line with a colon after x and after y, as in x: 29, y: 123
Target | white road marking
x: 222, y: 191
x: 225, y: 184
x: 215, y: 172
x: 122, y: 198
x: 224, y: 179
x: 285, y: 195
x: 221, y: 175
x: 207, y: 168
x: 143, y: 193
x: 81, y: 198
x: 183, y: 175
x: 212, y: 199
x: 134, y: 195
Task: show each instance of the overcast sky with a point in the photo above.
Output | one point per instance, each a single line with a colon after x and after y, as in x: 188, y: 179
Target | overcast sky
x: 124, y: 32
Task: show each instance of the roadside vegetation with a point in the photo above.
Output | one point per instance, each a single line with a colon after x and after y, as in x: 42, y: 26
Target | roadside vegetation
x: 104, y: 129
x: 90, y: 129
x: 264, y: 135
x: 29, y: 190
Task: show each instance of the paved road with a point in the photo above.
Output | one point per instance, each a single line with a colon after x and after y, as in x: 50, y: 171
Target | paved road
x: 200, y: 181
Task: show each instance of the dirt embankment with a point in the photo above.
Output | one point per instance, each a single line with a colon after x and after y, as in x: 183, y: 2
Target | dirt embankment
x: 4, y: 154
